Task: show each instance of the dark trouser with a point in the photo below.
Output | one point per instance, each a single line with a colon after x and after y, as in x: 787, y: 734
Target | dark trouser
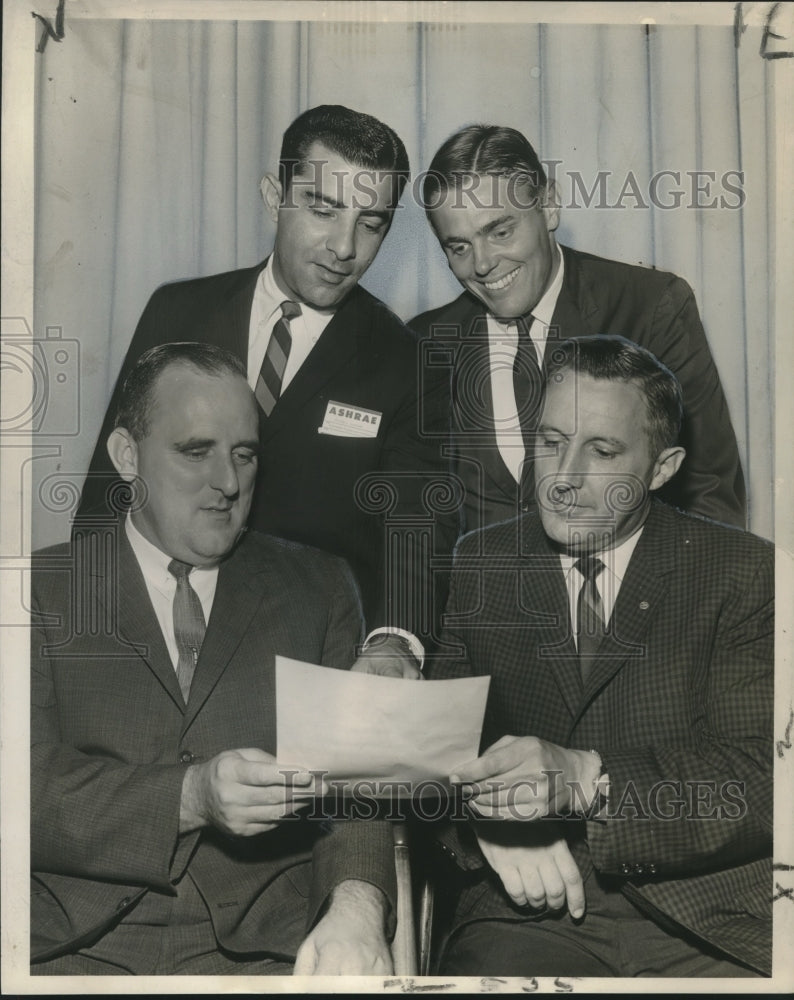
x: 162, y: 935
x: 614, y: 938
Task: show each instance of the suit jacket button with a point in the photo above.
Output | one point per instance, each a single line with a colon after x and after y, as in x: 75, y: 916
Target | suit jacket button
x: 651, y: 869
x: 625, y: 868
x: 122, y: 903
x: 639, y: 869
x: 525, y: 507
x: 186, y: 757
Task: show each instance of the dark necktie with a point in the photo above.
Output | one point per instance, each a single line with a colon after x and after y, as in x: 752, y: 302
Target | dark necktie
x: 189, y: 625
x: 590, y: 614
x: 271, y: 374
x: 527, y: 383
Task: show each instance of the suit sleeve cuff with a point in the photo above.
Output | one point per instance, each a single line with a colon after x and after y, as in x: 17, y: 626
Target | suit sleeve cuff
x: 352, y: 849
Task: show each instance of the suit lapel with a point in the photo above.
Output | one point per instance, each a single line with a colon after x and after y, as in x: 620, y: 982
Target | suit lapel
x: 543, y: 591
x: 121, y: 591
x: 576, y: 311
x: 473, y: 398
x: 646, y: 582
x: 232, y: 321
x: 238, y: 596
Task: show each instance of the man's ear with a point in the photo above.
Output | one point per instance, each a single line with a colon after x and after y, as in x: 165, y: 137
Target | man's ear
x: 123, y: 452
x: 551, y: 206
x: 271, y: 195
x: 666, y: 466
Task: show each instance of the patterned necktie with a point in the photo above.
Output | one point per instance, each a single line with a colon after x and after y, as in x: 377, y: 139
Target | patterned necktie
x: 590, y: 614
x: 189, y: 625
x: 271, y: 375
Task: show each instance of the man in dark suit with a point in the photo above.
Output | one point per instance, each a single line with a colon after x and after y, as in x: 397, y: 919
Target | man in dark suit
x: 494, y: 212
x: 628, y: 730
x: 335, y: 372
x: 165, y: 836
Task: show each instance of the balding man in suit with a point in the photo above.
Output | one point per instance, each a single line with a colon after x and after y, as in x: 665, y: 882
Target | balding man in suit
x: 627, y: 743
x: 166, y: 838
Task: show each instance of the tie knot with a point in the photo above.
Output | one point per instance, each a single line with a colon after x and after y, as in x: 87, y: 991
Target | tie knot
x: 523, y: 324
x: 289, y: 310
x: 589, y: 566
x: 178, y: 569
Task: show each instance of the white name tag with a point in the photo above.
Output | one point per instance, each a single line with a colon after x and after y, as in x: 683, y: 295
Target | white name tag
x: 350, y: 421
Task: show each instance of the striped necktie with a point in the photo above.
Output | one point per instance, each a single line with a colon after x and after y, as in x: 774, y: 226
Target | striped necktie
x: 189, y: 625
x: 590, y: 614
x: 271, y: 375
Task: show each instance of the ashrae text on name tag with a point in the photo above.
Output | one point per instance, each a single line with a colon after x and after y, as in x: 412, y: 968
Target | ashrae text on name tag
x: 349, y: 421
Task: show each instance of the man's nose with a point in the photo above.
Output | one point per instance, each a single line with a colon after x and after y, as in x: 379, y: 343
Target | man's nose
x: 483, y: 257
x: 569, y: 474
x: 342, y: 239
x: 224, y: 476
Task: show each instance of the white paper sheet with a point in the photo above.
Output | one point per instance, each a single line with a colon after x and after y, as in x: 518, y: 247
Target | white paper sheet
x: 365, y: 727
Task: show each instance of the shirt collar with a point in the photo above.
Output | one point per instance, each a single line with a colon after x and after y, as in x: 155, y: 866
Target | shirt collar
x: 544, y: 310
x: 314, y: 319
x: 616, y: 560
x: 153, y: 561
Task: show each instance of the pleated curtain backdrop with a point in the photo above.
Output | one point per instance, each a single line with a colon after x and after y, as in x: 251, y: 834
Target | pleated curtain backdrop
x: 152, y: 137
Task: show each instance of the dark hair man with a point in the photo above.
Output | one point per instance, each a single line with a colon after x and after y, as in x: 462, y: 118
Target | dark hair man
x: 334, y: 371
x: 494, y: 212
x: 165, y: 837
x: 627, y: 745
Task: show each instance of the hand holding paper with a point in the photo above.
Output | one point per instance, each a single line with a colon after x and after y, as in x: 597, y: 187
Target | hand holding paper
x: 361, y: 726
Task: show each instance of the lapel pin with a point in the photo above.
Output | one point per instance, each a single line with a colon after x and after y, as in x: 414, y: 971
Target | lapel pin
x: 644, y: 605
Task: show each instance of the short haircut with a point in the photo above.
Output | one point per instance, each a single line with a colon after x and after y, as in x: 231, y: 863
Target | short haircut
x: 137, y: 391
x: 616, y: 359
x: 358, y: 138
x: 479, y: 150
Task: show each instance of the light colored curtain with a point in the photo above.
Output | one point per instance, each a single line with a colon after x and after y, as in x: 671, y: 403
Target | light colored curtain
x: 152, y: 137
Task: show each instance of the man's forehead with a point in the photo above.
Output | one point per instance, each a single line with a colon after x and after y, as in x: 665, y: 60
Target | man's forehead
x: 494, y: 192
x: 338, y: 180
x: 181, y: 390
x: 581, y: 403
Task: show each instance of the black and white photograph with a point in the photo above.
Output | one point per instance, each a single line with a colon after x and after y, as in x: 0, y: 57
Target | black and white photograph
x: 445, y: 345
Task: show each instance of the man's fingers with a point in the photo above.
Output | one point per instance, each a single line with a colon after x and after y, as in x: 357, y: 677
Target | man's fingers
x: 552, y: 883
x: 305, y: 960
x: 513, y: 883
x: 259, y: 773
x: 572, y: 879
x: 493, y: 763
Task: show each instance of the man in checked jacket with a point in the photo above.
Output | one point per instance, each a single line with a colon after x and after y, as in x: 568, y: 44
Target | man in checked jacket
x: 628, y: 734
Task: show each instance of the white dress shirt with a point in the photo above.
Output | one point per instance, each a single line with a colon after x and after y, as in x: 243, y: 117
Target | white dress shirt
x: 306, y: 330
x: 502, y: 345
x: 161, y: 585
x: 608, y: 581
x: 265, y: 313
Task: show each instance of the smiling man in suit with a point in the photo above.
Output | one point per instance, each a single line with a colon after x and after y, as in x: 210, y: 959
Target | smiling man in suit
x: 494, y: 211
x: 627, y: 767
x: 334, y: 371
x: 165, y: 836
